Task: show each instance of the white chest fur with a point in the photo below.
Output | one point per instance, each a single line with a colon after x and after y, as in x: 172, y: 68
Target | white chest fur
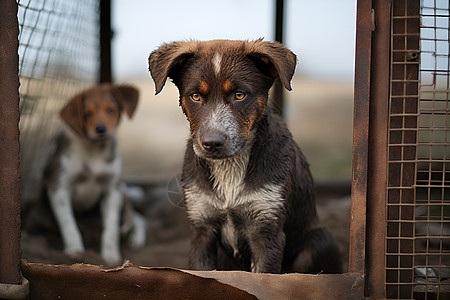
x: 229, y: 192
x: 228, y: 180
x: 92, y: 172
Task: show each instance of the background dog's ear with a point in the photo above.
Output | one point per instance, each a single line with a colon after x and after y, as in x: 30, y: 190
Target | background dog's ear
x: 72, y: 114
x: 278, y: 60
x: 166, y: 61
x: 128, y: 97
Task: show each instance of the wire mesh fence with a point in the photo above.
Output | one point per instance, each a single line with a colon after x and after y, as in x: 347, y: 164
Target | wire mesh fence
x: 418, y: 188
x: 58, y: 57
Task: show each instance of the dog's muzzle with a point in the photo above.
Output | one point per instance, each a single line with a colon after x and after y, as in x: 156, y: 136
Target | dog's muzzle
x: 214, y: 145
x: 213, y: 142
x: 218, y: 136
x: 100, y: 129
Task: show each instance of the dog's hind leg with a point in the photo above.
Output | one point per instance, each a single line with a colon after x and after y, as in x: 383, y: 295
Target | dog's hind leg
x: 110, y: 243
x: 319, y: 253
x: 138, y: 234
x: 133, y: 223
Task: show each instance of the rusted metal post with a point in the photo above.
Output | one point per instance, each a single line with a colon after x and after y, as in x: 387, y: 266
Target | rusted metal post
x: 279, y: 27
x: 105, y: 41
x: 378, y: 131
x: 9, y: 145
x: 364, y: 28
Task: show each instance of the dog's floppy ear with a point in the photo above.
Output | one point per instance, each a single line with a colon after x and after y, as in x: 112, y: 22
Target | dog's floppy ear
x: 167, y: 60
x: 72, y: 114
x: 128, y: 97
x: 279, y: 60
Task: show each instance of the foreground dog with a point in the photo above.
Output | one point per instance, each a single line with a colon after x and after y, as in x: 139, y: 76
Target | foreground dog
x: 247, y: 187
x: 86, y: 167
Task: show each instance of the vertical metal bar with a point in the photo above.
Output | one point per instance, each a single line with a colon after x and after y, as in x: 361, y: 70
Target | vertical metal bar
x: 278, y: 87
x: 105, y: 41
x: 9, y: 145
x: 364, y: 28
x: 378, y: 130
x: 279, y: 21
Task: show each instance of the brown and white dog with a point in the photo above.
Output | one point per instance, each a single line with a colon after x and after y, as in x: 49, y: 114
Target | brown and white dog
x: 86, y: 167
x: 247, y: 186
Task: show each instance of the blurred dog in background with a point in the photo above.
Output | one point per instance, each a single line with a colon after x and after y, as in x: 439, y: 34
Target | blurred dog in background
x: 86, y: 167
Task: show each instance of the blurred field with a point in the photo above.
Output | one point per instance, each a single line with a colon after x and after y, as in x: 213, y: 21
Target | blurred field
x: 318, y: 113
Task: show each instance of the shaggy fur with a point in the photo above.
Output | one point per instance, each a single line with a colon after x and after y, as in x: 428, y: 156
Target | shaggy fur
x: 247, y: 186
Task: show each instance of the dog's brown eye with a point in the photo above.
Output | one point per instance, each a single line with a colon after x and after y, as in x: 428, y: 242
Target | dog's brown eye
x: 195, y: 97
x: 111, y: 111
x: 87, y: 115
x: 239, y: 95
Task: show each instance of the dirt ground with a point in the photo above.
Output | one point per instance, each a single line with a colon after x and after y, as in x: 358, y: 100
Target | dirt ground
x: 319, y: 115
x: 167, y: 236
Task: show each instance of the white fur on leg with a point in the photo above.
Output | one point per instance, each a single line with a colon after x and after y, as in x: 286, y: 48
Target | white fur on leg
x: 62, y: 209
x: 110, y: 244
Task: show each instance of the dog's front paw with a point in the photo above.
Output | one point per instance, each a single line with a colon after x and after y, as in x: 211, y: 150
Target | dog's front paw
x: 76, y: 256
x: 74, y: 251
x: 112, y: 257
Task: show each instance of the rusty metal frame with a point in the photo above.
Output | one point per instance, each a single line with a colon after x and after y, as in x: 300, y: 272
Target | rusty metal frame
x: 368, y: 229
x: 371, y: 134
x: 9, y: 145
x: 393, y: 174
x: 364, y: 28
x: 377, y: 176
x: 68, y: 278
x: 12, y: 285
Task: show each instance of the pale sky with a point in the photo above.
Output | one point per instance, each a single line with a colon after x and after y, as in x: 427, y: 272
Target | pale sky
x: 321, y: 32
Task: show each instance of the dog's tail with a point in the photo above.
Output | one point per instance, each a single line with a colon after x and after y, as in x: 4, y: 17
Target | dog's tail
x: 320, y: 253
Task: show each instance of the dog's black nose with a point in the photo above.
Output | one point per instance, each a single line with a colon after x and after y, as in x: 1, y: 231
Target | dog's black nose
x: 100, y: 129
x: 213, y: 142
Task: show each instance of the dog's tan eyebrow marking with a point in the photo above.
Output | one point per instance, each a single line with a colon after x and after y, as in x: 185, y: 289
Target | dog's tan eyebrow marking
x: 216, y: 62
x: 203, y: 88
x: 183, y: 107
x: 227, y: 86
